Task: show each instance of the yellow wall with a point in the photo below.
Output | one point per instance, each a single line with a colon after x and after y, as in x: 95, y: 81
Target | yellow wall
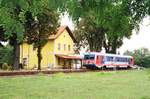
x: 64, y: 38
x: 26, y: 51
x: 48, y: 52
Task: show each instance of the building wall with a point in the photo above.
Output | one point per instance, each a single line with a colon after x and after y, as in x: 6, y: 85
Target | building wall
x: 63, y: 39
x: 48, y: 52
x: 28, y: 55
x: 27, y: 51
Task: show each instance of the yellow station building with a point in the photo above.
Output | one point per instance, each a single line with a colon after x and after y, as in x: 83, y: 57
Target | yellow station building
x: 57, y: 53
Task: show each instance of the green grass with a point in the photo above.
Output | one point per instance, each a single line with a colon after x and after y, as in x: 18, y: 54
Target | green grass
x: 92, y: 85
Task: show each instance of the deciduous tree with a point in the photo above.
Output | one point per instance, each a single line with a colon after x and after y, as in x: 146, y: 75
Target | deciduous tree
x: 40, y: 26
x: 118, y: 18
x: 19, y: 16
x: 38, y: 30
x: 12, y: 27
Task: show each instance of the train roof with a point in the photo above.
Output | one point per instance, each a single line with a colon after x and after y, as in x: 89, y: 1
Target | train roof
x: 108, y: 54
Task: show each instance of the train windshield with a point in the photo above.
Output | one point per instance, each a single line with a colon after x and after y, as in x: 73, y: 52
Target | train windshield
x: 89, y: 57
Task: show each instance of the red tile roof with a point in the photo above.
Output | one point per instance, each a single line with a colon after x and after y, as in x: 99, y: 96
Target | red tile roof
x: 60, y: 31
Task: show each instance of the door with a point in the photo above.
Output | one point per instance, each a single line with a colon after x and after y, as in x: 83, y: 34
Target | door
x: 98, y: 60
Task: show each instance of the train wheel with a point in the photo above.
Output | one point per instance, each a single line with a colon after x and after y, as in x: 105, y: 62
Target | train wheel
x: 104, y: 68
x: 128, y: 67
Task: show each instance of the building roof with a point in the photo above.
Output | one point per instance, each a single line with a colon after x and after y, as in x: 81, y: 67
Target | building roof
x: 60, y: 31
x: 68, y: 56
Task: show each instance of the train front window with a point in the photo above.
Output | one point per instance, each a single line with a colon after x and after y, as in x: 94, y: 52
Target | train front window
x: 89, y: 57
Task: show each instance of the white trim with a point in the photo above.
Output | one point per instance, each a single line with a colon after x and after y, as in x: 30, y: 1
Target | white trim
x: 54, y: 52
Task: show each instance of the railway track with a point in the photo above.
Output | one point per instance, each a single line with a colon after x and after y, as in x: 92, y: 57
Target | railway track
x: 35, y: 72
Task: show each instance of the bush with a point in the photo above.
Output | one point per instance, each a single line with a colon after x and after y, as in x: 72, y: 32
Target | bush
x: 143, y: 61
x: 9, y: 67
x: 141, y: 57
x: 5, y: 66
x: 6, y: 55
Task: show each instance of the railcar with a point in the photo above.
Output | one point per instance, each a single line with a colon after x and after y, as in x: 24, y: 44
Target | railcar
x: 95, y: 60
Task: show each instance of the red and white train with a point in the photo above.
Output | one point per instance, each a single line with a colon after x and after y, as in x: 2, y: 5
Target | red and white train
x: 100, y: 60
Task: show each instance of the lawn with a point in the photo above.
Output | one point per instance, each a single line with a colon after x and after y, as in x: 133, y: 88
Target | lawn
x: 91, y: 85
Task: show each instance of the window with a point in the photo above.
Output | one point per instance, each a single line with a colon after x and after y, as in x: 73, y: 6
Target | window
x: 64, y: 47
x: 109, y: 58
x: 91, y: 57
x: 24, y: 62
x: 59, y: 46
x: 128, y: 60
x: 68, y: 47
x: 117, y: 59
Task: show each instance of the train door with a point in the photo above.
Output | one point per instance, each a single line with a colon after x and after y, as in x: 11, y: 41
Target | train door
x: 132, y: 61
x: 98, y: 59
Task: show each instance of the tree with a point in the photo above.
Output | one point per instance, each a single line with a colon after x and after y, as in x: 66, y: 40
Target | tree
x: 125, y: 17
x: 87, y: 34
x: 89, y: 20
x: 116, y: 18
x: 119, y: 26
x: 14, y: 23
x: 11, y: 25
x: 38, y: 31
x: 41, y: 25
x: 141, y: 57
x: 6, y: 54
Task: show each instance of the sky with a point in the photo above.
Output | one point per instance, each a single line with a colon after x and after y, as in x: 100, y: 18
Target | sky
x: 137, y: 40
x: 140, y: 39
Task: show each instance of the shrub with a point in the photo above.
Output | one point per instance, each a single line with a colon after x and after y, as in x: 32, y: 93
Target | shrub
x: 5, y: 55
x: 5, y: 66
x: 9, y: 67
x: 141, y: 57
x: 143, y: 61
